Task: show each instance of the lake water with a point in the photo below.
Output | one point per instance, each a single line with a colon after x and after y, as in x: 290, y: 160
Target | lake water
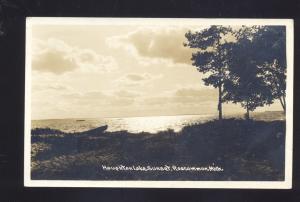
x: 150, y: 124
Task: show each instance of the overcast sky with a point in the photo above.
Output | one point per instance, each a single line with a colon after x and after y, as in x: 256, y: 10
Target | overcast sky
x: 117, y: 71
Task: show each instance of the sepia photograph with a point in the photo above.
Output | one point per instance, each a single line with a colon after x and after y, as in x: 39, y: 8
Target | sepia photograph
x: 158, y: 102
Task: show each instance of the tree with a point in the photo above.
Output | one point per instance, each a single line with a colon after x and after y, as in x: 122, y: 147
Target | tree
x: 211, y: 57
x: 244, y: 85
x: 270, y: 43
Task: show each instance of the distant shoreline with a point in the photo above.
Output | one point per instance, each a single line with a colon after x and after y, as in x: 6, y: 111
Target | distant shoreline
x: 207, y: 115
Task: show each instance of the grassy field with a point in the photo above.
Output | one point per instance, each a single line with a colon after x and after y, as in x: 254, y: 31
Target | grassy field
x: 246, y: 150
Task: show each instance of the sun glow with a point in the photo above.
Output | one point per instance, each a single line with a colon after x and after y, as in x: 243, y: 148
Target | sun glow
x: 158, y: 123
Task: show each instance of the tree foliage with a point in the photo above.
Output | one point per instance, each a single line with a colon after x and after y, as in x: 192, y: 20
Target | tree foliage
x: 211, y: 56
x: 245, y: 86
x: 251, y: 70
x: 270, y: 43
x: 257, y: 67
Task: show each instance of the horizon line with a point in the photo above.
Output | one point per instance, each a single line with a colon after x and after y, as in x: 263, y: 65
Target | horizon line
x: 211, y: 114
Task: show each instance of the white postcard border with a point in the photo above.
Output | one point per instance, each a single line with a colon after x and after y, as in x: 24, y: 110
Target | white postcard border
x: 286, y: 184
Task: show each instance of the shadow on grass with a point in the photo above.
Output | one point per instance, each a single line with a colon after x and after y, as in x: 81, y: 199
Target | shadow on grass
x: 246, y: 150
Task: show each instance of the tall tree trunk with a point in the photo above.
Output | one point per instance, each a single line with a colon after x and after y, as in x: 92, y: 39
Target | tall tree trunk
x: 247, y: 115
x: 220, y: 102
x: 282, y: 102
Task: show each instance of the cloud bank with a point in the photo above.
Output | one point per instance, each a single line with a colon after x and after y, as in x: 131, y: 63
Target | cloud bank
x: 57, y: 57
x: 150, y: 43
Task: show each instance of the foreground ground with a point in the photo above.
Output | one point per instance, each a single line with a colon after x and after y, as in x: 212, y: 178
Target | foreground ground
x: 245, y: 150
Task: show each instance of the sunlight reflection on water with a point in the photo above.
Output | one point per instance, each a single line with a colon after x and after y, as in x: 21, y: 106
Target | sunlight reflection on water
x: 159, y: 123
